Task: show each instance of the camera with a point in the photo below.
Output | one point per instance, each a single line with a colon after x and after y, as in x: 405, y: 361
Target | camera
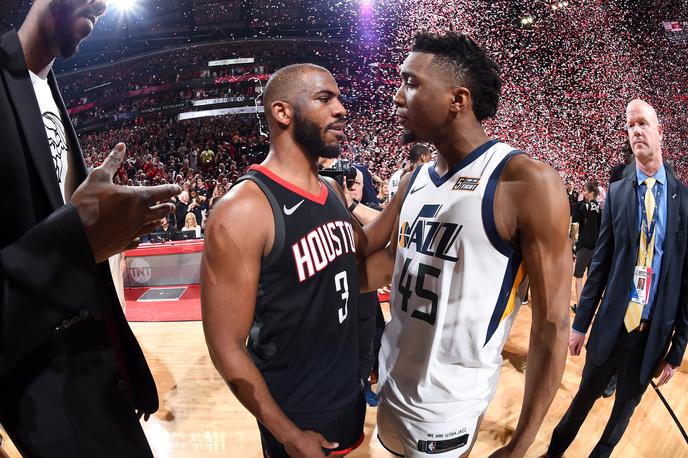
x: 342, y: 171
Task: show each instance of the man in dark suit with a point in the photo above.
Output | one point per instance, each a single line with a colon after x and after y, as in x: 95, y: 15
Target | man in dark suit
x: 73, y: 379
x: 642, y: 242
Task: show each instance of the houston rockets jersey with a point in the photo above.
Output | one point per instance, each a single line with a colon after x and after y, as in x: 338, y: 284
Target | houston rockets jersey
x: 304, y: 337
x: 454, y: 296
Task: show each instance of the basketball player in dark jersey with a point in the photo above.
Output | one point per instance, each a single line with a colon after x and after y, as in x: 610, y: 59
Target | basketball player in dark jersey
x: 279, y: 269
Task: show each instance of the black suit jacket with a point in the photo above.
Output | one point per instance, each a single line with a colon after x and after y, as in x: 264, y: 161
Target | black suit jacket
x: 612, y: 269
x: 62, y: 332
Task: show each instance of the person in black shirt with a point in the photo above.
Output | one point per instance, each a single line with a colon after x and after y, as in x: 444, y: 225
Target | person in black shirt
x: 572, y: 194
x: 587, y: 214
x: 368, y: 302
x: 164, y: 232
x: 197, y: 205
x: 280, y: 270
x: 617, y: 171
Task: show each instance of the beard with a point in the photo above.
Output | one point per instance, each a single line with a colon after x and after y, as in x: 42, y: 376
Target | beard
x: 310, y: 137
x: 408, y: 137
x: 63, y: 13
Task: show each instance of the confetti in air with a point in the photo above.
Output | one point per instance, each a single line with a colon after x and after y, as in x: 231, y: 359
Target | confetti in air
x: 568, y: 74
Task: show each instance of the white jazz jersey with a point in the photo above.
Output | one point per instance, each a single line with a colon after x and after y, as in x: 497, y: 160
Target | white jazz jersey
x: 454, y: 293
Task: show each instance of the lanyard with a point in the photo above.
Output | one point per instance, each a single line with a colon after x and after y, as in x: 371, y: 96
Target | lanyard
x: 649, y: 230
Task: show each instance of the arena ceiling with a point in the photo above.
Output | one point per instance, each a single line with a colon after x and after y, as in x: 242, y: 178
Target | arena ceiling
x: 154, y: 24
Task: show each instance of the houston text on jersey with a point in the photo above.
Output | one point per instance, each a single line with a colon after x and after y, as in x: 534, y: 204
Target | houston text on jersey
x: 321, y: 246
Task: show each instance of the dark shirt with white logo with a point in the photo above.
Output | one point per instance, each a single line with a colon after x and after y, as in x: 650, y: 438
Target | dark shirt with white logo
x: 304, y: 336
x: 588, y: 215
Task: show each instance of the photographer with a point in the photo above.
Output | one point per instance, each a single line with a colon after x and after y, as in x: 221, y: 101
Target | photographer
x: 370, y: 319
x: 368, y: 303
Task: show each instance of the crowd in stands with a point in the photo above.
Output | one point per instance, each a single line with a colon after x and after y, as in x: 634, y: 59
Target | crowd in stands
x: 185, y: 64
x: 567, y: 81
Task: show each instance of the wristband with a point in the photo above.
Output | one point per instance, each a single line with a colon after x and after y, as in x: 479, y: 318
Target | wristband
x: 353, y: 205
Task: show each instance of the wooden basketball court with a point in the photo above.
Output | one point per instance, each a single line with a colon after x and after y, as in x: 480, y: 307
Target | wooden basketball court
x: 200, y: 417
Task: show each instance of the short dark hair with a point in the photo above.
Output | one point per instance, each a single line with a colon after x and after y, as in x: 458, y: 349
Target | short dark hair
x: 591, y: 186
x: 285, y: 81
x: 417, y: 151
x: 626, y: 148
x: 463, y: 60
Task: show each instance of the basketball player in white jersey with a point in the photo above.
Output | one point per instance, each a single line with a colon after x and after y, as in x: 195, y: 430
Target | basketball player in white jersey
x: 465, y: 230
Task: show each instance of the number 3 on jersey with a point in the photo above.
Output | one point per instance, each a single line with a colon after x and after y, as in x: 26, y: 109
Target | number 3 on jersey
x: 341, y: 282
x: 404, y: 287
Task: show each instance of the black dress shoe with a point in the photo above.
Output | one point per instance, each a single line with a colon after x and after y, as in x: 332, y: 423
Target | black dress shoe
x: 610, y: 388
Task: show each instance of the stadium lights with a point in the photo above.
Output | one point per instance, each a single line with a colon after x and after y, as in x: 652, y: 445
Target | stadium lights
x: 560, y: 5
x: 527, y: 21
x: 124, y: 6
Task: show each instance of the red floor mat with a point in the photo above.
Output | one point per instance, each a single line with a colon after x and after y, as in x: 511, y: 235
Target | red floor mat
x: 187, y: 308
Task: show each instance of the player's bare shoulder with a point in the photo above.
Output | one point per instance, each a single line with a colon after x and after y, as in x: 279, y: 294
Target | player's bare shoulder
x: 526, y: 171
x: 530, y: 182
x: 245, y: 213
x: 528, y: 191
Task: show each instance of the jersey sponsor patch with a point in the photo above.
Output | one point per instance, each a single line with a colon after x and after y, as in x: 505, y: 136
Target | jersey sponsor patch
x: 466, y: 184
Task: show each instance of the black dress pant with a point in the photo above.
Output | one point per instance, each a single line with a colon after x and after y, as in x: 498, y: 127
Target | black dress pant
x: 625, y: 360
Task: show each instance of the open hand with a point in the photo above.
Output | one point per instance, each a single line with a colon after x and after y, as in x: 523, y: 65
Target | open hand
x: 115, y: 216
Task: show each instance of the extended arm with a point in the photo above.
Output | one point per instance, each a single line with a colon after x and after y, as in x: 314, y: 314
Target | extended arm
x: 379, y: 231
x: 375, y: 270
x: 49, y: 275
x: 364, y: 214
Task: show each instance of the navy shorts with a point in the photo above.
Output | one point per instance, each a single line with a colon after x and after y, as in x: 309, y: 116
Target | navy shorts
x: 344, y: 426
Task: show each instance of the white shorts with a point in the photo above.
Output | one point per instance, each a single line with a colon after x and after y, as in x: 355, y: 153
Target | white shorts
x: 413, y: 439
